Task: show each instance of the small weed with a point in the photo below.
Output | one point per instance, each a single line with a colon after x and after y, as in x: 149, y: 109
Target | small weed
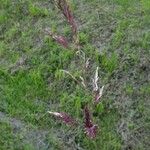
x: 37, y: 11
x: 83, y: 38
x: 129, y: 89
x: 109, y: 63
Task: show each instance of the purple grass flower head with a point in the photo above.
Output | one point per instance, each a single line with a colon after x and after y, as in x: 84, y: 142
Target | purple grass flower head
x: 65, y: 8
x: 59, y: 39
x: 68, y: 120
x: 90, y: 128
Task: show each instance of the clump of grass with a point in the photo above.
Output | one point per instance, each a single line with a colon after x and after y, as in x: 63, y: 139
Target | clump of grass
x: 89, y: 127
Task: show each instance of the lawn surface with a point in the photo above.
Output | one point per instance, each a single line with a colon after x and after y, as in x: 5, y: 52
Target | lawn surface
x: 115, y: 34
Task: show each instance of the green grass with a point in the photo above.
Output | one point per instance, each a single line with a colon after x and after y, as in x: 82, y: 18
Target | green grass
x: 7, y: 137
x: 114, y: 34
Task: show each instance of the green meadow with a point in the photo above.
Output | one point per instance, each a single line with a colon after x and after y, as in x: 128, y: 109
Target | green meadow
x: 114, y: 34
